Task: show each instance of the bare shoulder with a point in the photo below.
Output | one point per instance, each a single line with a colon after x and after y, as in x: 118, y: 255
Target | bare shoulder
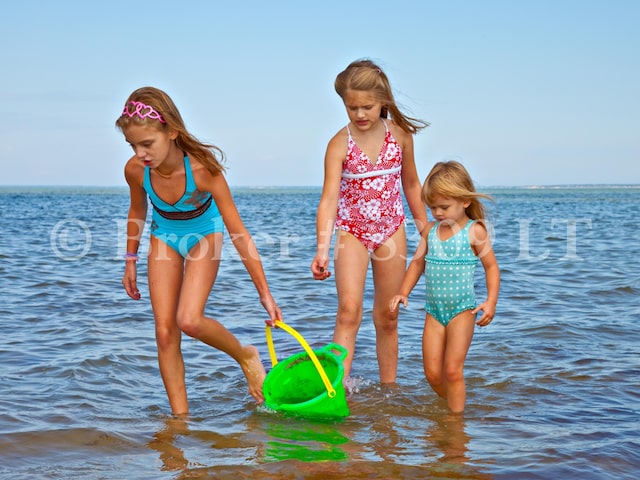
x: 339, y: 140
x: 399, y: 134
x: 478, y: 231
x: 337, y: 146
x: 206, y: 181
x: 134, y: 170
x: 428, y: 228
x: 197, y: 168
x: 133, y: 164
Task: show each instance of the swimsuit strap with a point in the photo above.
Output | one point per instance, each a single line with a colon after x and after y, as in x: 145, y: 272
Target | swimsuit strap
x: 462, y: 256
x: 373, y: 173
x: 190, y: 183
x: 190, y: 187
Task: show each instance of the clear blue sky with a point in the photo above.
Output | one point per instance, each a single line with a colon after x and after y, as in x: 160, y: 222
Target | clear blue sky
x: 524, y: 92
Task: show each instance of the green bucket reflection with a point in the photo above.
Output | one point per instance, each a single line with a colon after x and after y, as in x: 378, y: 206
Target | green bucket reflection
x: 306, y: 442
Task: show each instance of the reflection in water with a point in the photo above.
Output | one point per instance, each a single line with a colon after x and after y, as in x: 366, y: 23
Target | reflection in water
x: 449, y: 437
x: 274, y: 442
x: 290, y: 438
x: 164, y: 442
x: 62, y: 413
x: 385, y: 441
x: 287, y: 438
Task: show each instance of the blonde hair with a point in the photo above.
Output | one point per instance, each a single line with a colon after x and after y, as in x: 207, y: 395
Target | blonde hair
x: 207, y: 154
x: 364, y: 75
x: 451, y: 179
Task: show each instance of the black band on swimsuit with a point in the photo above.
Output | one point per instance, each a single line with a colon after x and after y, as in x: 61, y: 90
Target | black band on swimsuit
x: 184, y: 215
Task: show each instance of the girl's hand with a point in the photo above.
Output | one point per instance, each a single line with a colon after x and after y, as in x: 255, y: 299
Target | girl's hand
x: 488, y: 310
x: 397, y: 300
x: 129, y: 280
x: 272, y: 309
x: 320, y: 268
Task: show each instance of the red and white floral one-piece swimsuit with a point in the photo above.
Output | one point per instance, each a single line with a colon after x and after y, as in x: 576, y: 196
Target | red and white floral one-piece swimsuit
x: 370, y: 202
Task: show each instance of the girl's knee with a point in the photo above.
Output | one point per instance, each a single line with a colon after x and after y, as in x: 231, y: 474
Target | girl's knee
x: 167, y: 337
x: 190, y: 324
x: 434, y: 377
x: 349, y: 314
x: 454, y: 373
x: 386, y: 322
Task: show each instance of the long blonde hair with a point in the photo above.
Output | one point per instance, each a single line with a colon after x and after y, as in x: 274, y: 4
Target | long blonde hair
x: 364, y: 75
x: 207, y: 154
x: 451, y: 179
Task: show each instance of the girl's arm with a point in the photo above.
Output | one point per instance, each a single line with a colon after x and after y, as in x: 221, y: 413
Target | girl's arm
x: 481, y: 244
x: 133, y: 173
x: 240, y: 236
x: 328, y: 205
x: 414, y: 271
x: 411, y: 185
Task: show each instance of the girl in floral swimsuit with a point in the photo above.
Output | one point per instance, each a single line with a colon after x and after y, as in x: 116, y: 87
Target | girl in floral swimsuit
x: 370, y: 205
x: 367, y: 163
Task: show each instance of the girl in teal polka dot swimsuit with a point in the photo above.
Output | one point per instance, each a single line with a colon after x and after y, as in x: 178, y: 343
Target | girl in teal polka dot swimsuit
x: 447, y: 255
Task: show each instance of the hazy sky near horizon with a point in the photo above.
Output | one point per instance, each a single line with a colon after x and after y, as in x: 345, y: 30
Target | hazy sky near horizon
x: 528, y: 92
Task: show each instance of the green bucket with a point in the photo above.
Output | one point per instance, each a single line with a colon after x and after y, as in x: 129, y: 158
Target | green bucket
x: 308, y: 383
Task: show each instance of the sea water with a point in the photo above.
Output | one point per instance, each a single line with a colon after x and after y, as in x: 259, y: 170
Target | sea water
x: 552, y: 384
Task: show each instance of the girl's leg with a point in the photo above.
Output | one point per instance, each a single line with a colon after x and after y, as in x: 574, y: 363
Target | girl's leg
x: 459, y: 336
x: 389, y: 263
x: 434, y: 340
x: 351, y: 261
x: 165, y: 268
x: 199, y: 276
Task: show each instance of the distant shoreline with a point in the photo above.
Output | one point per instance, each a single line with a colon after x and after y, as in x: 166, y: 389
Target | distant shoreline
x: 78, y: 189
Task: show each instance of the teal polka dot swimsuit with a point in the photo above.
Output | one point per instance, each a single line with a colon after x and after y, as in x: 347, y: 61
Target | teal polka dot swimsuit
x: 449, y: 274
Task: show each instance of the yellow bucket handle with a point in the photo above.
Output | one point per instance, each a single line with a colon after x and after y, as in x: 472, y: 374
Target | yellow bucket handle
x: 274, y: 361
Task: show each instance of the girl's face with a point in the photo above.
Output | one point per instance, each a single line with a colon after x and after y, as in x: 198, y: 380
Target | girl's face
x: 150, y: 144
x: 447, y: 209
x: 363, y: 109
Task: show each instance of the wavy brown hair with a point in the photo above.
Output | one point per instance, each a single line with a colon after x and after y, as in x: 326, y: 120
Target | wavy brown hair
x: 207, y: 154
x: 364, y: 75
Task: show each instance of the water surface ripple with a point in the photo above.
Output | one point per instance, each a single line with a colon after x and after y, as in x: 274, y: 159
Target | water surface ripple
x: 552, y: 383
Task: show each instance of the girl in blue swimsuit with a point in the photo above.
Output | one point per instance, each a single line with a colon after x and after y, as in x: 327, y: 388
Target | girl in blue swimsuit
x: 447, y: 255
x: 184, y: 180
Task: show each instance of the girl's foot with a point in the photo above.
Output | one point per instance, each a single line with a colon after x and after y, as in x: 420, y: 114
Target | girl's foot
x: 254, y: 372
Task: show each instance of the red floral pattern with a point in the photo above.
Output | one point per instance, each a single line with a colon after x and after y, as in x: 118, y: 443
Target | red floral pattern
x: 371, y: 208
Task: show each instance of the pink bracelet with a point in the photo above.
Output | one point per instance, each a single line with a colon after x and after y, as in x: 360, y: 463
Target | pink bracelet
x: 131, y: 257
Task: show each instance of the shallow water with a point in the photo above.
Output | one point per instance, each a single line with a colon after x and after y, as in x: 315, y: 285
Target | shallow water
x: 552, y: 383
